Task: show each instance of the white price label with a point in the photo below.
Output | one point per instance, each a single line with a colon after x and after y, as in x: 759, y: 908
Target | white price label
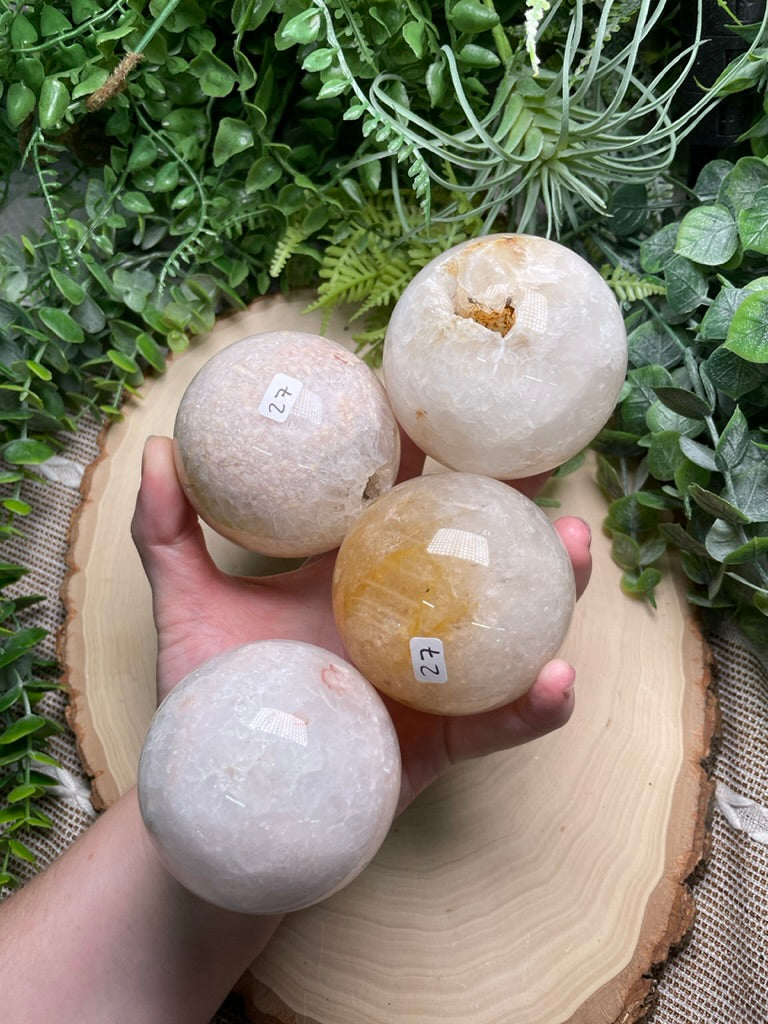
x: 428, y: 659
x: 280, y: 397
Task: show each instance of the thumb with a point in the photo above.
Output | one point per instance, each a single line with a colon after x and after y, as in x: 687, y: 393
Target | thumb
x: 165, y: 527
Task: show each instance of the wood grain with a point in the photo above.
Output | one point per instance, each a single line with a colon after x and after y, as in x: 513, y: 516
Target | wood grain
x: 537, y: 886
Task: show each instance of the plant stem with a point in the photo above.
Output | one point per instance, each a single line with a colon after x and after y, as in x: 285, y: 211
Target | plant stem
x: 503, y: 47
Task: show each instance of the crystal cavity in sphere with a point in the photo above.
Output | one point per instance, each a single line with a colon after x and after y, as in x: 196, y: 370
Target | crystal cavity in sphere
x: 505, y: 356
x: 451, y: 591
x: 281, y: 439
x: 269, y: 777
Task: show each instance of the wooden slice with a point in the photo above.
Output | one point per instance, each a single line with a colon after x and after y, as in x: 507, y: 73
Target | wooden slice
x: 537, y: 886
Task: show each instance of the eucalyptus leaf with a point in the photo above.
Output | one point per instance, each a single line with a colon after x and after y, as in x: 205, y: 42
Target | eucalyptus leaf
x: 723, y: 538
x: 748, y: 333
x: 733, y: 443
x: 686, y: 403
x: 740, y: 186
x: 717, y: 320
x: 699, y: 454
x: 753, y: 224
x: 747, y: 552
x: 718, y: 506
x: 687, y: 285
x: 708, y: 234
x: 749, y: 491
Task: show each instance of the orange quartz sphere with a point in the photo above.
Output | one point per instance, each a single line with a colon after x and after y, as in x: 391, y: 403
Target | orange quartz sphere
x: 451, y: 592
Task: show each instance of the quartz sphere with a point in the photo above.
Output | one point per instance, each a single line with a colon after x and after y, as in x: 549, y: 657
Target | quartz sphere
x: 281, y: 439
x: 505, y: 356
x: 269, y: 777
x: 451, y: 591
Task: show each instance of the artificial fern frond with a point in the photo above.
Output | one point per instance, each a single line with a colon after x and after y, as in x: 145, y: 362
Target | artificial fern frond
x: 629, y: 286
x: 289, y: 244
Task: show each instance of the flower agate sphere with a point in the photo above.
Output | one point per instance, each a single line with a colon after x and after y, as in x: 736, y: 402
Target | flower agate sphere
x: 281, y: 439
x: 451, y: 591
x: 269, y: 777
x: 505, y: 356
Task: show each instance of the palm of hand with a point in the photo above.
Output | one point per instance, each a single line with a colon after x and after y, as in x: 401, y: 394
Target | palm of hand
x: 199, y: 612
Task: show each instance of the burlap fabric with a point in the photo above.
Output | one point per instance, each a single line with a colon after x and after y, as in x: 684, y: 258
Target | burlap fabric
x: 718, y: 977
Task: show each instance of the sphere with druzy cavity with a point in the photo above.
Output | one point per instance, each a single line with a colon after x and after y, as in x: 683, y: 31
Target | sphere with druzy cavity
x: 505, y: 356
x: 451, y: 592
x: 281, y: 439
x: 269, y: 777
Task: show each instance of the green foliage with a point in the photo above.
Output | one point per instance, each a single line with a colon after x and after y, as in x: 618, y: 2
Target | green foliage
x: 191, y: 157
x: 684, y: 460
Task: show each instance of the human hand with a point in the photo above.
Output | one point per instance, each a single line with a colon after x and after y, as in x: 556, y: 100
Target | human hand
x: 200, y: 611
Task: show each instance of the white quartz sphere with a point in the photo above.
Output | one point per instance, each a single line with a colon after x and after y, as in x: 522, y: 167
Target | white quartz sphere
x: 281, y: 439
x: 269, y: 777
x: 505, y: 356
x: 451, y: 592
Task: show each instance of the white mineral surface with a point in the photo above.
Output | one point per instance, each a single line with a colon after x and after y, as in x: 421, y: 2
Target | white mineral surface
x: 505, y: 356
x: 281, y: 439
x: 451, y: 591
x: 269, y: 777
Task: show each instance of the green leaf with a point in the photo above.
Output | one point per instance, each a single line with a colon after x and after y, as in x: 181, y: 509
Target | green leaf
x: 710, y: 180
x: 53, y: 22
x: 472, y: 17
x: 72, y: 291
x: 722, y: 538
x: 136, y: 202
x: 699, y: 454
x: 660, y: 417
x: 300, y: 29
x: 9, y: 815
x: 749, y: 491
x: 628, y: 515
x: 741, y: 185
x: 748, y: 333
x: 664, y: 455
x: 474, y: 56
x: 734, y: 442
x: 625, y: 551
x: 657, y: 250
x: 21, y: 852
x: 734, y: 376
x: 27, y: 452
x: 677, y: 535
x: 654, y: 343
x: 628, y: 209
x: 23, y: 32
x: 25, y: 791
x: 20, y: 102
x: 143, y: 154
x: 318, y: 60
x: 264, y: 172
x: 684, y: 402
x: 716, y: 321
x: 747, y: 552
x: 642, y: 584
x: 415, y: 35
x: 22, y: 727
x: 151, y: 351
x: 122, y: 361
x: 16, y: 506
x: 53, y: 103
x: 687, y: 285
x: 216, y: 78
x: 753, y: 224
x: 708, y: 235
x: 716, y: 505
x: 60, y: 323
x: 233, y: 136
